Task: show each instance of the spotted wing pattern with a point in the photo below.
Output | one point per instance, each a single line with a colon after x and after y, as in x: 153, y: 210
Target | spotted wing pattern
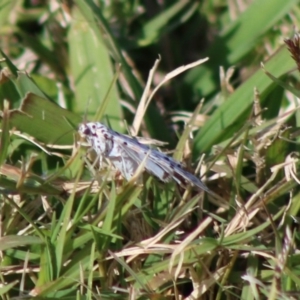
x: 126, y: 154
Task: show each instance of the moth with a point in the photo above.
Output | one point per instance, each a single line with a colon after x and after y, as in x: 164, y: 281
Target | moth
x: 126, y: 154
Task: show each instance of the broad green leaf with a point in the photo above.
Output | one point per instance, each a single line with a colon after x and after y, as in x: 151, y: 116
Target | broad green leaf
x: 154, y: 121
x: 92, y: 69
x: 44, y: 120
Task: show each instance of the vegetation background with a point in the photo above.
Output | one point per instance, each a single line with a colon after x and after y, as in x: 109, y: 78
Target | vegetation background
x: 70, y: 231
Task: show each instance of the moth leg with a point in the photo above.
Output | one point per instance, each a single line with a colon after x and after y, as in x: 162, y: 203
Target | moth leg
x: 123, y: 171
x: 99, y: 160
x: 89, y: 165
x: 125, y: 165
x: 92, y: 166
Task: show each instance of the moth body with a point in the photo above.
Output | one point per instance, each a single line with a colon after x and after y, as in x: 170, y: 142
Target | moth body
x: 126, y: 154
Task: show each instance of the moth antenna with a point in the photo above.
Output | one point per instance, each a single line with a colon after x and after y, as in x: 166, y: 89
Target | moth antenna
x: 106, y: 99
x: 127, y: 128
x: 56, y: 140
x: 107, y: 121
x: 84, y: 119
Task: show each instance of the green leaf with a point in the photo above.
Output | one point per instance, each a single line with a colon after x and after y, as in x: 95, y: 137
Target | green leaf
x: 4, y: 136
x: 92, y: 68
x: 169, y: 18
x: 13, y: 241
x: 237, y: 39
x: 31, y: 185
x: 6, y: 288
x: 44, y: 120
x: 230, y: 116
x: 154, y: 121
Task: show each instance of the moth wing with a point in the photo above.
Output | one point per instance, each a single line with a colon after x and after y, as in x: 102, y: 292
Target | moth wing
x: 159, y: 164
x: 139, y: 153
x: 117, y: 155
x: 180, y: 175
x: 123, y: 162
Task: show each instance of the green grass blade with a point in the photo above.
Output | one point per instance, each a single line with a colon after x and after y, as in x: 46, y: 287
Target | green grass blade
x: 154, y: 121
x: 232, y: 113
x: 92, y: 68
x: 238, y: 38
x: 5, y: 136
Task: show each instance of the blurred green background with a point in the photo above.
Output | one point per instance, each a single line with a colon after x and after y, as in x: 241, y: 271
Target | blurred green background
x: 65, y: 62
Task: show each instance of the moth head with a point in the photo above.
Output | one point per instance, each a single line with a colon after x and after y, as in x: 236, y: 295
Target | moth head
x: 89, y: 130
x: 84, y: 130
x: 95, y: 135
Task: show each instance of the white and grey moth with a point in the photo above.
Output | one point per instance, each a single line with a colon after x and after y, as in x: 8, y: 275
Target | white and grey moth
x: 126, y: 154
